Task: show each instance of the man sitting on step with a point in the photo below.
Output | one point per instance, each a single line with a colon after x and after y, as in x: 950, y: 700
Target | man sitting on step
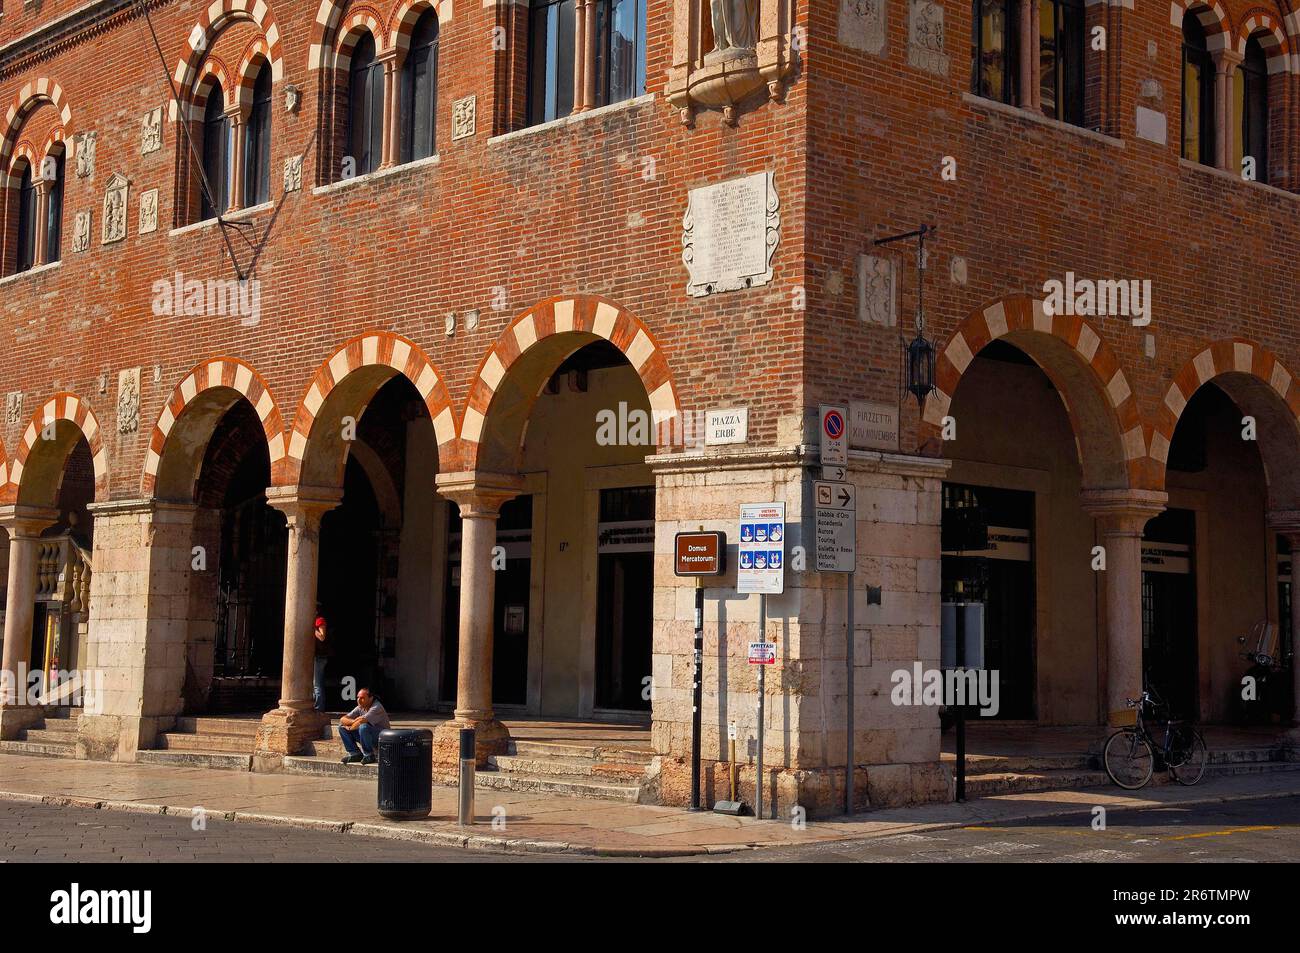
x: 362, y: 725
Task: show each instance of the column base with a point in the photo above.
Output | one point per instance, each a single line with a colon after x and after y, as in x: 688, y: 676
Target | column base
x: 288, y: 731
x: 491, y: 738
x: 15, y: 718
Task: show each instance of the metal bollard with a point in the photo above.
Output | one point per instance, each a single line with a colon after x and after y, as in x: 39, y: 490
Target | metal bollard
x: 466, y: 811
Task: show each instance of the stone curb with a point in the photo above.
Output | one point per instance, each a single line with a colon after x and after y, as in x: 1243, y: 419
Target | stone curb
x: 467, y: 841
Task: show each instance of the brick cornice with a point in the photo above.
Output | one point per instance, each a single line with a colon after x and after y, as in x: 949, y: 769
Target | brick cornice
x: 59, y: 34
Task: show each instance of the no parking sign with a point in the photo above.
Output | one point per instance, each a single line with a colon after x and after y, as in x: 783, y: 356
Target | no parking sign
x: 834, y: 433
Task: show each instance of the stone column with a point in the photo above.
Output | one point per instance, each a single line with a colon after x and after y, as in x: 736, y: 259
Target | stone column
x: 580, y: 65
x: 1121, y: 517
x: 42, y: 222
x: 480, y: 497
x: 288, y: 728
x: 1031, y: 92
x: 1225, y: 67
x: 1287, y: 524
x: 24, y: 525
x: 392, y: 147
x: 589, y: 58
x: 238, y: 130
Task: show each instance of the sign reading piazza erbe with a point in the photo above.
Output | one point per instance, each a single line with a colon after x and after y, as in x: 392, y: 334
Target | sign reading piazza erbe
x: 730, y: 233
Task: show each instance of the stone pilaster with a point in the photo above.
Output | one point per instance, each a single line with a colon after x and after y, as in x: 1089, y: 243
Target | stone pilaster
x: 24, y: 525
x: 1122, y: 516
x: 480, y: 497
x: 287, y: 729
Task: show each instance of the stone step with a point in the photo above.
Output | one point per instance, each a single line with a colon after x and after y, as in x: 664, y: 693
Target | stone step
x: 208, y: 741
x: 197, y: 759
x: 329, y: 767
x: 62, y: 713
x: 563, y: 785
x: 1020, y: 764
x: 204, y: 724
x: 45, y: 748
x: 563, y: 749
x: 570, y: 767
x: 51, y: 736
x: 987, y: 785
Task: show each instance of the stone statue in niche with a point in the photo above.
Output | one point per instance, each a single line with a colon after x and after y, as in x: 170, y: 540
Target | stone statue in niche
x: 735, y: 28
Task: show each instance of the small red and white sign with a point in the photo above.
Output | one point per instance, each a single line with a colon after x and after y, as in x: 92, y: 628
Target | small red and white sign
x: 834, y: 436
x: 762, y: 653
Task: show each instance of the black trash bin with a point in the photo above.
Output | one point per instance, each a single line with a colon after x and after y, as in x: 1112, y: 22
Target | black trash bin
x: 405, y: 773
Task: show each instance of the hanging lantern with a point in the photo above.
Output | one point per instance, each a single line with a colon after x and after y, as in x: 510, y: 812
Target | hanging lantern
x: 920, y: 368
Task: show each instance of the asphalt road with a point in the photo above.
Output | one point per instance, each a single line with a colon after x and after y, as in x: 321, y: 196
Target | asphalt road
x: 1251, y: 831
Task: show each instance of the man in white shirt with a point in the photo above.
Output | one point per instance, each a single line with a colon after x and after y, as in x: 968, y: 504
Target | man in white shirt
x: 361, y: 726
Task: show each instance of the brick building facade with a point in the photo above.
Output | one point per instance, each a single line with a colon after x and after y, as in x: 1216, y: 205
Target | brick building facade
x: 447, y: 327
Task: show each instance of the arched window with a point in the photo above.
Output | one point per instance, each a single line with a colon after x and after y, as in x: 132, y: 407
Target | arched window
x: 54, y: 205
x: 620, y: 50
x: 1061, y: 46
x: 26, y: 245
x: 420, y: 90
x: 1198, y: 93
x: 257, y: 149
x: 216, y: 154
x: 995, y: 49
x: 365, y: 107
x: 550, y: 59
x: 1250, y: 94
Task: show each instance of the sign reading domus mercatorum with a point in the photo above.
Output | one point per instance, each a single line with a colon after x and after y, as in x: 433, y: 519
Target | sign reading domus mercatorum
x: 730, y: 233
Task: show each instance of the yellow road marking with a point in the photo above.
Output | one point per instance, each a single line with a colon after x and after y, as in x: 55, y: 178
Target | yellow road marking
x: 1235, y: 830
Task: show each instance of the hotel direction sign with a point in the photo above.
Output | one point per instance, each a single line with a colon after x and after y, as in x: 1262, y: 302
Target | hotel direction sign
x: 700, y: 554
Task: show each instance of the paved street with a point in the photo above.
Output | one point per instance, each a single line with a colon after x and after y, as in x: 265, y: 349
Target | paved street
x: 1260, y: 830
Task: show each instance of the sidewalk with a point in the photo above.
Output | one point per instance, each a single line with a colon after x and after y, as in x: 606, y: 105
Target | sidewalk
x: 543, y: 823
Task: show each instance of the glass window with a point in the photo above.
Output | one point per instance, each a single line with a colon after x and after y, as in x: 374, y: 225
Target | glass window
x: 216, y: 154
x: 1198, y: 94
x: 994, y: 66
x: 54, y: 211
x: 620, y: 50
x: 257, y: 161
x: 551, y: 60
x: 420, y: 90
x: 1061, y: 49
x: 26, y: 221
x: 1250, y: 90
x: 366, y: 107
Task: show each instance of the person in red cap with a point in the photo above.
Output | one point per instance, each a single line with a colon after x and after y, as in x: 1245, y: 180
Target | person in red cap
x: 322, y: 657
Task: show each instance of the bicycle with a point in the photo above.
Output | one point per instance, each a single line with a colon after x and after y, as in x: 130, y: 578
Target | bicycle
x: 1130, y: 753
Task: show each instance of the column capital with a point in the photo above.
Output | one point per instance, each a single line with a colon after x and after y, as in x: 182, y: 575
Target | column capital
x: 1124, y: 512
x: 22, y: 521
x: 1226, y: 58
x: 1285, y: 523
x: 304, y: 506
x: 479, y: 495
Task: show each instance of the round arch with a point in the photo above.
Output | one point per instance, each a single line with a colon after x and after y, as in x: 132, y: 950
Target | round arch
x: 34, y: 473
x: 1261, y: 386
x: 1218, y: 28
x: 401, y: 22
x: 528, y: 351
x: 211, y: 388
x: 342, y: 387
x: 1083, y: 368
x: 33, y: 94
x: 214, y: 18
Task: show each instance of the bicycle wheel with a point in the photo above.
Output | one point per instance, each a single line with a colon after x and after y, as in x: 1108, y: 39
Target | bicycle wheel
x: 1192, y: 757
x: 1129, y: 759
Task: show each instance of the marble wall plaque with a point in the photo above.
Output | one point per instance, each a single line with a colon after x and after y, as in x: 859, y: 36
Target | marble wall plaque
x: 81, y: 231
x: 128, y: 401
x: 877, y: 290
x: 151, y: 132
x: 293, y: 173
x: 730, y: 233
x: 863, y: 25
x: 148, y: 211
x: 925, y: 37
x: 873, y: 425
x: 84, y: 147
x: 114, y: 225
x: 464, y: 117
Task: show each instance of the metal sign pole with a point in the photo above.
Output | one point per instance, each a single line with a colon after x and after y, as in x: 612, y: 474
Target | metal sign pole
x: 762, y: 681
x: 697, y: 695
x: 959, y: 630
x: 848, y: 657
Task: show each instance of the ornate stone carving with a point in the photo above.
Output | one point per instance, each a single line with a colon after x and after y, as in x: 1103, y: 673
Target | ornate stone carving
x: 151, y: 132
x: 729, y: 234
x: 14, y: 408
x: 863, y: 25
x: 114, y: 225
x: 463, y: 117
x: 925, y: 37
x: 81, y: 231
x: 293, y: 173
x: 85, y: 153
x: 877, y: 291
x: 148, y: 211
x: 755, y: 44
x: 128, y: 401
x: 292, y: 98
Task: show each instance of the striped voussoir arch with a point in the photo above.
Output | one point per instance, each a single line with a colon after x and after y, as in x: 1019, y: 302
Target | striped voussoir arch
x: 213, y: 68
x: 405, y: 15
x: 212, y: 21
x: 246, y: 77
x: 23, y: 152
x: 1223, y: 357
x: 1262, y: 25
x: 1218, y: 32
x: 226, y: 372
x: 586, y: 313
x: 70, y: 407
x: 377, y: 348
x: 333, y: 36
x: 32, y: 95
x: 1022, y: 313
